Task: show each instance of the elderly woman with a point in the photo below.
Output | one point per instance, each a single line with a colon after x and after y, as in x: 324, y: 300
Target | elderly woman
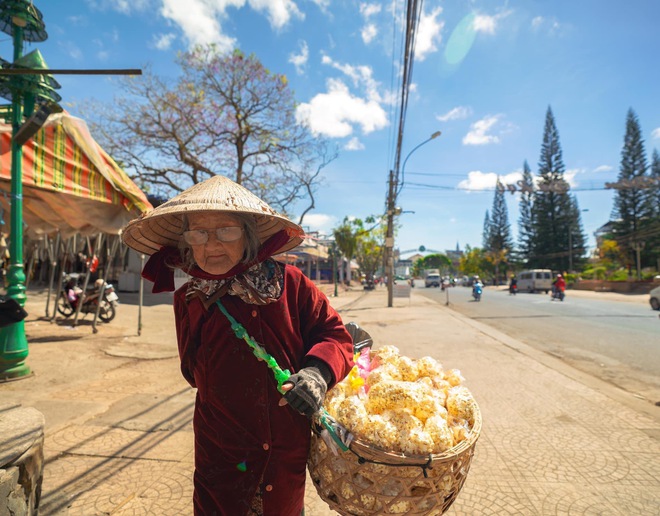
x: 251, y: 441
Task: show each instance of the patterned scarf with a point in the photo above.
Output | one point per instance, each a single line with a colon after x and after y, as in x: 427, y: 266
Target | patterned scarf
x: 261, y: 284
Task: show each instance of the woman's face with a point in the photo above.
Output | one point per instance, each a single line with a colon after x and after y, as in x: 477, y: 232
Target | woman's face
x: 215, y: 256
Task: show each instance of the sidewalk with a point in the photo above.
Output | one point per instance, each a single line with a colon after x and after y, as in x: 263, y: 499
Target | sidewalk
x: 118, y: 414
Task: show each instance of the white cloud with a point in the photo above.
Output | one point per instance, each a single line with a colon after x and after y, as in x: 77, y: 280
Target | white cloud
x: 279, y: 12
x: 369, y: 10
x: 163, y: 41
x: 200, y: 19
x: 361, y: 76
x: 537, y: 22
x: 300, y: 60
x: 320, y: 222
x: 335, y: 113
x: 485, y: 24
x: 478, y: 134
x: 102, y: 55
x: 655, y: 134
x: 488, y: 24
x: 480, y: 181
x: 457, y: 113
x: 354, y: 144
x: 368, y: 33
x: 428, y: 34
x: 603, y: 168
x: 198, y: 22
x: 549, y: 24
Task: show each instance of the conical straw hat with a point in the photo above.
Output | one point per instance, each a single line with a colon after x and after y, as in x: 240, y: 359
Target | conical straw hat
x: 163, y: 226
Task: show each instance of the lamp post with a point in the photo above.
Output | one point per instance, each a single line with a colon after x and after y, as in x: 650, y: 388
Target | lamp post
x: 392, y: 210
x: 23, y: 21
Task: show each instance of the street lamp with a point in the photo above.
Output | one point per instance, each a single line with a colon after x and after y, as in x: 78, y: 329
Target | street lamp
x: 23, y: 21
x: 392, y: 210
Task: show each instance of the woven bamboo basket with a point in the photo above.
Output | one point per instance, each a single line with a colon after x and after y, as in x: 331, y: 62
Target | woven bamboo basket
x: 366, y: 480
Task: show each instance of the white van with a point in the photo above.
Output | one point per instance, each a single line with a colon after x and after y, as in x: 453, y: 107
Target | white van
x: 535, y: 280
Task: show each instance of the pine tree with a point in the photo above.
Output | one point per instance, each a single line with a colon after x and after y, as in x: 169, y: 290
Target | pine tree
x: 499, y: 237
x: 633, y: 207
x: 554, y: 211
x: 653, y: 245
x: 655, y: 189
x: 499, y: 246
x: 485, y: 237
x: 525, y: 222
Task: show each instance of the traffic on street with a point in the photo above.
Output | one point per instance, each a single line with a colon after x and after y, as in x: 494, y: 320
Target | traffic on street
x: 616, y: 341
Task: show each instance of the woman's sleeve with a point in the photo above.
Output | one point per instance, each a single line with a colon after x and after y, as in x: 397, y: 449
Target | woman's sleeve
x: 187, y: 346
x: 325, y: 335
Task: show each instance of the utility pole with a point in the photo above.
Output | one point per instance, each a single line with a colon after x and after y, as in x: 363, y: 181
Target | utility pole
x: 638, y: 246
x: 389, y: 242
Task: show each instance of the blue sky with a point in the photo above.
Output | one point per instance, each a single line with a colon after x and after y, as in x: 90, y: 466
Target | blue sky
x: 485, y: 73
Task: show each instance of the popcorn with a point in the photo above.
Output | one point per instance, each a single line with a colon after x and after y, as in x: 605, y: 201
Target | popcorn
x: 454, y: 377
x: 382, y: 373
x: 429, y: 366
x: 460, y: 403
x: 408, y: 369
x: 438, y: 429
x: 407, y: 406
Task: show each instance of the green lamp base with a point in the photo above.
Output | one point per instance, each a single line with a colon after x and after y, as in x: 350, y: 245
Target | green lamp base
x: 13, y: 352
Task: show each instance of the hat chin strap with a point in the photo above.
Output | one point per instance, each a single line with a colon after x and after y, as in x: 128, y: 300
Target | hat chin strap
x: 160, y: 266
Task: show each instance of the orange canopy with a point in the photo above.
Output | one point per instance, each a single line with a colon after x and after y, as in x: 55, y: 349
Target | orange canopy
x: 69, y: 182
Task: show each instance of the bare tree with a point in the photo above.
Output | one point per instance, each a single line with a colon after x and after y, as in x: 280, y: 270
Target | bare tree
x: 224, y: 114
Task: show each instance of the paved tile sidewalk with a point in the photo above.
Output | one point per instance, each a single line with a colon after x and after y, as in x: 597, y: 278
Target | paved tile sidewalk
x: 119, y: 437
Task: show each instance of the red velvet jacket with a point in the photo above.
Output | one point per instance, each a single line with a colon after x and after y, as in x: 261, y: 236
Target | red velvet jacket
x: 244, y: 441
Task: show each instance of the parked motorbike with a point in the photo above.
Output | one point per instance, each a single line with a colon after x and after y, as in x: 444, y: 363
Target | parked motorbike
x: 72, y: 293
x: 477, y: 290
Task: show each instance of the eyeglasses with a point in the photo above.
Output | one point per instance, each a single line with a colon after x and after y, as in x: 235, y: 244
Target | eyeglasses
x: 201, y: 236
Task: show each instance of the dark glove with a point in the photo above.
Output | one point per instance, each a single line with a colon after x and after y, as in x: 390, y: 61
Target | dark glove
x: 309, y: 387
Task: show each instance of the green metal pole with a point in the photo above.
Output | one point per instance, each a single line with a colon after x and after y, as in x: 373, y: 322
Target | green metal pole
x: 13, y: 342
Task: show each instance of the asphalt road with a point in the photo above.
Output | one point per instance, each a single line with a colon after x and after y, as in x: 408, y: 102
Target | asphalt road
x: 618, y: 342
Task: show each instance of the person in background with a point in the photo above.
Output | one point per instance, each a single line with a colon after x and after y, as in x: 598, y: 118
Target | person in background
x: 559, y: 285
x: 252, y: 434
x: 513, y: 285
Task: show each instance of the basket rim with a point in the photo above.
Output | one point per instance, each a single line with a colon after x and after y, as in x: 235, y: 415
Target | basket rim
x: 399, y: 458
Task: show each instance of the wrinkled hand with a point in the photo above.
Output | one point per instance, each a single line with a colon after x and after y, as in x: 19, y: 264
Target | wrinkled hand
x: 305, y: 391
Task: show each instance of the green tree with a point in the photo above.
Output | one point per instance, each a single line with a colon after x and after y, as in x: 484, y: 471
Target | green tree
x: 474, y: 261
x: 655, y: 189
x: 347, y: 241
x: 436, y: 261
x: 500, y: 244
x: 554, y: 211
x: 485, y: 237
x: 633, y: 210
x: 526, y: 222
x: 223, y: 114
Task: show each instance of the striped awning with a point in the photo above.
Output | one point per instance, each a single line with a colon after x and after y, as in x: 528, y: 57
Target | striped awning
x: 69, y: 182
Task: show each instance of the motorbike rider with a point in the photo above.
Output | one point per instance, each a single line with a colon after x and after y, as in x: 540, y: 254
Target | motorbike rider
x: 559, y: 285
x: 513, y: 284
x: 477, y: 283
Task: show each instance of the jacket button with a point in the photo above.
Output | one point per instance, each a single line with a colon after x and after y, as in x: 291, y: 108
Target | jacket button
x: 254, y: 313
x: 266, y: 447
x: 269, y: 488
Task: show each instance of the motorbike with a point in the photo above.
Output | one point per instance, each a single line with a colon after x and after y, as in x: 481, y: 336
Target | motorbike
x: 477, y: 290
x: 72, y: 294
x: 513, y: 289
x: 557, y: 293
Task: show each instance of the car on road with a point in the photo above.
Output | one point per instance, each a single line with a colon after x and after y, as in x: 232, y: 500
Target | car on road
x: 654, y: 298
